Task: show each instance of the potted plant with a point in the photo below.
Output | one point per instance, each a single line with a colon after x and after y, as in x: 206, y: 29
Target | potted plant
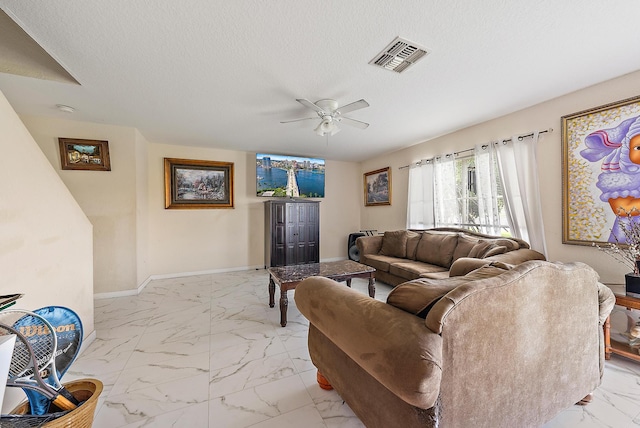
x: 626, y: 248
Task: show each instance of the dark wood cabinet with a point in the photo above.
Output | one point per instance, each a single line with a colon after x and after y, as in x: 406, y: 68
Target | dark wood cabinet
x: 292, y: 232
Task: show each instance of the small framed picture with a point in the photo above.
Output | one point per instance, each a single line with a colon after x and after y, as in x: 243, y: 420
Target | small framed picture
x: 193, y: 184
x: 377, y: 187
x: 89, y: 155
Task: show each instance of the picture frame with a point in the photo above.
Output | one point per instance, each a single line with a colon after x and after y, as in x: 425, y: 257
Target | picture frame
x: 197, y: 184
x: 87, y: 155
x: 377, y: 187
x: 599, y: 175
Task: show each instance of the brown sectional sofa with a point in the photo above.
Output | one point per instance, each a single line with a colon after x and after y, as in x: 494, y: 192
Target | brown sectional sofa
x: 402, y: 255
x: 500, y: 347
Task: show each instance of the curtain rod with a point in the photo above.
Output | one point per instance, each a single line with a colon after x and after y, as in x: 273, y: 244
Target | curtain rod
x: 520, y: 138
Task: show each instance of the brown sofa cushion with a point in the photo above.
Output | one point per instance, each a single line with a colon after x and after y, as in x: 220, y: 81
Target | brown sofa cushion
x: 479, y: 249
x: 465, y: 244
x: 486, y: 248
x: 419, y: 295
x: 381, y: 263
x: 394, y: 244
x: 437, y: 248
x: 413, y: 239
x: 509, y: 243
x: 494, y: 251
x: 412, y: 269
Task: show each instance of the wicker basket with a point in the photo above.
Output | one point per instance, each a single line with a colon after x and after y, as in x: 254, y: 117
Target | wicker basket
x: 87, y: 390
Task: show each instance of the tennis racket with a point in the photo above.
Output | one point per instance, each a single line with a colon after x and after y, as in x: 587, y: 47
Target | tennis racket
x: 23, y: 370
x: 43, y: 340
x: 68, y: 331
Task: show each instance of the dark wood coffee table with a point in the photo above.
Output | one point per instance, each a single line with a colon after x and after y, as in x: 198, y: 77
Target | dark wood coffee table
x: 287, y: 277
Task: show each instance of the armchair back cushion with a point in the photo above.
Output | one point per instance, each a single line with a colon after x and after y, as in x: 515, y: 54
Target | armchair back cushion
x: 419, y: 295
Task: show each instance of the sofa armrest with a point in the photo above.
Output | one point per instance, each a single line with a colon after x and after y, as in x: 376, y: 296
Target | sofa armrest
x: 393, y: 346
x: 369, y: 244
x: 607, y: 301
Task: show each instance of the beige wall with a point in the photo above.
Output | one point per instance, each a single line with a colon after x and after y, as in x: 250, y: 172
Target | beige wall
x: 108, y: 198
x: 539, y: 117
x: 217, y: 239
x: 142, y: 209
x: 135, y: 237
x: 46, y: 244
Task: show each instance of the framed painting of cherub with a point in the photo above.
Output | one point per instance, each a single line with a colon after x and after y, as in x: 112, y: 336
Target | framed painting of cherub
x: 601, y: 172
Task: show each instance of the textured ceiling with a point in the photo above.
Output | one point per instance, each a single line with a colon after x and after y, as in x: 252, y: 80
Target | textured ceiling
x: 224, y: 74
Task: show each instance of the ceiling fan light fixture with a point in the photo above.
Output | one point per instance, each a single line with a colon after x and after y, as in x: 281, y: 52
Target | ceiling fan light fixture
x: 330, y: 115
x: 327, y: 126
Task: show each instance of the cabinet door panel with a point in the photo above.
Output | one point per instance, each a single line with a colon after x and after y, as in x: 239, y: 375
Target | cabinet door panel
x: 294, y: 233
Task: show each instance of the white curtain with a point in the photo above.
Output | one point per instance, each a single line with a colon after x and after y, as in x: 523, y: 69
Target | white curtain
x: 445, y: 191
x: 519, y: 170
x: 420, y: 204
x: 487, y: 189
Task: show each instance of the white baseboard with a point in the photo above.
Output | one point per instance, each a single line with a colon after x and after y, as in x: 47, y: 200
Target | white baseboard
x: 146, y: 282
x: 334, y: 259
x: 124, y: 293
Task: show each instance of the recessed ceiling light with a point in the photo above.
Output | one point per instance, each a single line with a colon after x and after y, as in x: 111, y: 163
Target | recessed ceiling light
x: 64, y: 108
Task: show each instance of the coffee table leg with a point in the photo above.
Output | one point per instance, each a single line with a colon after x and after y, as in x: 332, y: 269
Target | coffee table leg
x: 272, y: 292
x: 372, y: 287
x: 284, y: 304
x: 349, y: 282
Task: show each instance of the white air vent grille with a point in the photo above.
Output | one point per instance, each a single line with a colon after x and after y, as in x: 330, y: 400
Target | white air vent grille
x: 399, y: 55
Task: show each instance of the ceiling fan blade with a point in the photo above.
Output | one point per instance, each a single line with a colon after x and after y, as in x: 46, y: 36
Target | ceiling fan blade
x: 309, y: 104
x: 353, y: 122
x: 298, y: 120
x: 353, y: 106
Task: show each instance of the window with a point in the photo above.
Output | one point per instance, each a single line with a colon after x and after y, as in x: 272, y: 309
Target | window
x: 494, y: 191
x: 462, y: 192
x: 477, y: 201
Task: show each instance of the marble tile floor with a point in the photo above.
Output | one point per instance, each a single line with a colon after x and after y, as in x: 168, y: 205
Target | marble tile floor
x: 207, y: 351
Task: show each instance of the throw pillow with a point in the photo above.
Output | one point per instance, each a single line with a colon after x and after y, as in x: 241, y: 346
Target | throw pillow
x: 465, y: 244
x: 480, y: 248
x: 394, y: 244
x: 509, y: 243
x: 494, y: 250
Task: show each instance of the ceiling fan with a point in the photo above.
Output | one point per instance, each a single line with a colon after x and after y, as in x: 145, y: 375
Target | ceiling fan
x: 330, y: 115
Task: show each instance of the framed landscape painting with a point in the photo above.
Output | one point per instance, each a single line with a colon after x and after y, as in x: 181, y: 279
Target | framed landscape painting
x: 88, y: 155
x: 377, y: 187
x: 600, y: 172
x: 192, y: 184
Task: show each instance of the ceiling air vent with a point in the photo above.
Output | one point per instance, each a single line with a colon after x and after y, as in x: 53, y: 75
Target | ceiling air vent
x: 399, y: 55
